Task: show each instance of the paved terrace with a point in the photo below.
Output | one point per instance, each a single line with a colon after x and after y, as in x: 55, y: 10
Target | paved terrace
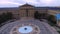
x: 44, y: 27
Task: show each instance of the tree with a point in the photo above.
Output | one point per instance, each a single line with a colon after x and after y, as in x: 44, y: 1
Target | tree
x: 9, y: 15
x: 5, y: 17
x: 52, y: 19
x: 36, y: 15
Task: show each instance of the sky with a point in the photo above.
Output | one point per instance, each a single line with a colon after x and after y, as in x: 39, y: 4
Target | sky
x: 16, y: 3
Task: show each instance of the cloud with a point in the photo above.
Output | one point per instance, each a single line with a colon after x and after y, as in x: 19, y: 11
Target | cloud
x: 8, y: 2
x: 49, y: 3
x: 32, y: 2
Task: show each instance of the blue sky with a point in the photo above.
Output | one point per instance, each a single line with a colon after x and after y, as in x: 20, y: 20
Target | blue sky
x: 16, y: 3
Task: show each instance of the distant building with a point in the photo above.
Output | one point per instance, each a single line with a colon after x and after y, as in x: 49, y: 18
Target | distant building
x: 29, y: 10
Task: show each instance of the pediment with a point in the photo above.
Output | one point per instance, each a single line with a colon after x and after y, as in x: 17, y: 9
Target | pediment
x: 27, y: 5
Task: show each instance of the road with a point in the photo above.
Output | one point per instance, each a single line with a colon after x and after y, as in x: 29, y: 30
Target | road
x: 44, y: 27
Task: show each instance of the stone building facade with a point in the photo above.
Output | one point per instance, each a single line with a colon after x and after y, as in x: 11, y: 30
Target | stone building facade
x: 23, y: 11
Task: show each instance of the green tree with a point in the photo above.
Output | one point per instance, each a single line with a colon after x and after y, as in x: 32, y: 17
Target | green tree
x: 9, y: 15
x: 36, y: 15
x: 5, y: 17
x: 52, y: 19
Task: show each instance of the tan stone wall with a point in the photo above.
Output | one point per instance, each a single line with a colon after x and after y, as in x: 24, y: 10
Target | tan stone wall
x: 23, y: 13
x: 31, y: 13
x: 53, y: 12
x: 42, y: 11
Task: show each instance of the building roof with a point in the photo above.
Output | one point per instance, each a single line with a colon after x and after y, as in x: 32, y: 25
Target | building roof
x: 25, y: 5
